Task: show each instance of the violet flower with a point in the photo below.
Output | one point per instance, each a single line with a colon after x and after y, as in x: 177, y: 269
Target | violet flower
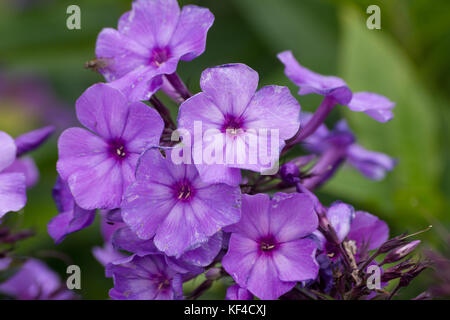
x: 12, y: 184
x: 144, y: 278
x: 235, y: 113
x: 18, y: 173
x: 35, y: 281
x: 335, y: 91
x: 172, y: 204
x: 150, y: 41
x: 374, y: 105
x: 99, y: 164
x: 373, y: 165
x: 71, y: 217
x: 268, y: 253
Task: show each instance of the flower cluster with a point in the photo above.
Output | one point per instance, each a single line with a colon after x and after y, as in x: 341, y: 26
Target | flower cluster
x: 205, y: 195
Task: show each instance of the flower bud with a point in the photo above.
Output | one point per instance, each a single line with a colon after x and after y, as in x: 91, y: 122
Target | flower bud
x: 401, y: 252
x: 289, y: 171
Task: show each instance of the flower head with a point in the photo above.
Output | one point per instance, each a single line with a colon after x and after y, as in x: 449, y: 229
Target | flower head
x: 99, y: 164
x: 150, y: 41
x: 371, y: 164
x: 144, y: 278
x: 374, y: 105
x: 172, y: 204
x: 268, y: 252
x: 247, y: 127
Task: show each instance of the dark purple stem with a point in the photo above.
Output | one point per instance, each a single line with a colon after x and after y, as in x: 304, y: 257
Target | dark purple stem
x: 179, y: 86
x: 163, y: 111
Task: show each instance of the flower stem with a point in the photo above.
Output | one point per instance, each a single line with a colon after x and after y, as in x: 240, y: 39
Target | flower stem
x: 163, y: 111
x: 179, y: 86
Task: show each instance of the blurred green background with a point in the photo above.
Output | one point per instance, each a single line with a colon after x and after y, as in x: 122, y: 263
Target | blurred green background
x: 407, y: 60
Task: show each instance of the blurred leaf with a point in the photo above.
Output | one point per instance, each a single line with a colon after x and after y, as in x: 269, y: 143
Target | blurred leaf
x: 371, y: 61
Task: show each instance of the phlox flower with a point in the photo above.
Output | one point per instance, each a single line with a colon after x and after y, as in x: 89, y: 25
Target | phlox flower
x: 99, y: 163
x: 150, y: 41
x: 268, y: 253
x: 170, y: 203
x: 248, y: 128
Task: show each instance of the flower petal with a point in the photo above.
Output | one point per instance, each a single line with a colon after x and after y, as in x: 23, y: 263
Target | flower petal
x: 69, y: 222
x: 12, y: 192
x: 33, y: 139
x: 374, y: 105
x: 340, y: 216
x: 103, y: 110
x: 26, y: 166
x: 292, y: 216
x: 264, y: 281
x: 7, y: 150
x: 145, y: 206
x: 143, y: 128
x: 274, y: 108
x: 120, y: 53
x: 235, y: 292
x: 240, y: 258
x: 311, y: 82
x: 151, y: 22
x: 189, y: 39
x: 219, y: 173
x: 205, y: 254
x: 295, y: 260
x: 230, y: 87
x: 200, y: 108
x: 371, y: 164
x: 368, y: 230
x: 255, y: 220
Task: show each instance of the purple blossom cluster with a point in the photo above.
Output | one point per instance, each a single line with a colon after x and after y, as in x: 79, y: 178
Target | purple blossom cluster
x: 164, y: 222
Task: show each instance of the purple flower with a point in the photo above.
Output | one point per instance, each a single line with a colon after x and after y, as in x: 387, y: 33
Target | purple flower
x: 268, y: 252
x: 235, y: 292
x: 237, y: 114
x: 371, y: 164
x: 374, y: 105
x: 364, y: 229
x: 71, y: 217
x: 12, y: 184
x: 99, y: 164
x: 150, y: 41
x: 144, y: 278
x: 35, y: 281
x: 170, y: 203
x: 17, y: 174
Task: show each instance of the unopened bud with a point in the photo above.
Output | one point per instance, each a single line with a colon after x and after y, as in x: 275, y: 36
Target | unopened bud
x: 288, y: 172
x: 401, y: 252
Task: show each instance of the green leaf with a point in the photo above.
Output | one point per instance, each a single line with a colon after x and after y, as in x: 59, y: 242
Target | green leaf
x: 371, y: 61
